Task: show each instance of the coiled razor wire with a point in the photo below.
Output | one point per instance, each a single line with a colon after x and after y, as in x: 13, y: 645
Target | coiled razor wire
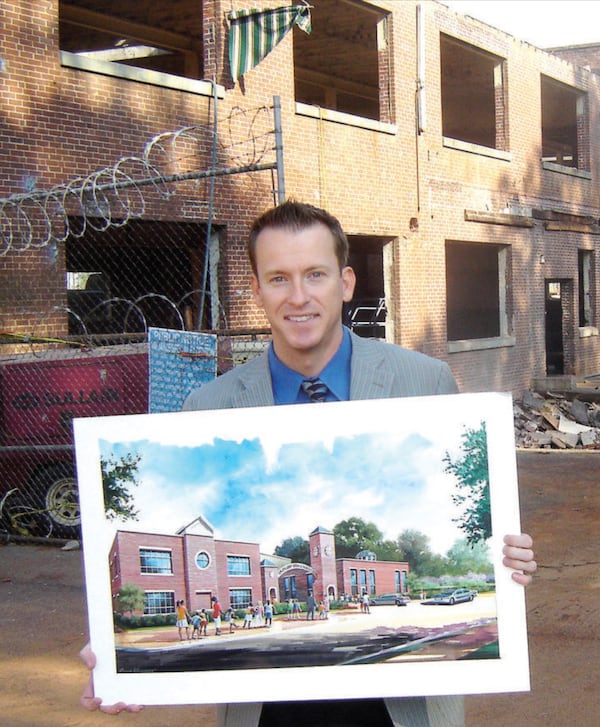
x: 133, y: 318
x: 112, y: 196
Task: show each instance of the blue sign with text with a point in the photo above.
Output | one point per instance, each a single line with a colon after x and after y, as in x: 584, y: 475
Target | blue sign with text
x: 179, y: 361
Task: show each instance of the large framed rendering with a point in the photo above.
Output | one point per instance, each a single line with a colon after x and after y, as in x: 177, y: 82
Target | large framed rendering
x: 357, y: 544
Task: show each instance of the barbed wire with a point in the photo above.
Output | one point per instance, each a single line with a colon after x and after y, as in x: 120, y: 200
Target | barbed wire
x: 112, y: 196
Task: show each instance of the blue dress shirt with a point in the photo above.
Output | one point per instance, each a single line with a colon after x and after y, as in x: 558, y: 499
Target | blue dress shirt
x: 336, y: 375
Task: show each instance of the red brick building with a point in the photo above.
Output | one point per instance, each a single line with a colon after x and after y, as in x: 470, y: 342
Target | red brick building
x: 192, y: 565
x: 195, y: 566
x: 463, y: 163
x: 351, y: 577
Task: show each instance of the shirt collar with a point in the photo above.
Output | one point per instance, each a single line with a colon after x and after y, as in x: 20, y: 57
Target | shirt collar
x: 336, y: 374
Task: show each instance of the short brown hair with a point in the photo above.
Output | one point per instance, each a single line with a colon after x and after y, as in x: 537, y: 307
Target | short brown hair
x: 298, y: 216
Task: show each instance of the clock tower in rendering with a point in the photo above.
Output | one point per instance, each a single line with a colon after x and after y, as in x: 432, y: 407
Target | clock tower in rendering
x: 322, y: 561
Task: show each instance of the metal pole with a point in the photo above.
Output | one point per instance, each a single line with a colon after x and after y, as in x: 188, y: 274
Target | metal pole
x: 278, y: 149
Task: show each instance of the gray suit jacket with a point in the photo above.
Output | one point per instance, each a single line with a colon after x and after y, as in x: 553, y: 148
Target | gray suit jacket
x: 378, y: 371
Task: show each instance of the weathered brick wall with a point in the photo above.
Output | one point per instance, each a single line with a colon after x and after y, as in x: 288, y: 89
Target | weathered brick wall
x: 409, y: 188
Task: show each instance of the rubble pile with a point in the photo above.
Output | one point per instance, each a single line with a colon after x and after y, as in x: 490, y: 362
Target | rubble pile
x: 553, y: 421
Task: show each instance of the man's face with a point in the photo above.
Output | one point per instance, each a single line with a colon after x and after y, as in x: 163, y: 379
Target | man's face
x: 300, y: 287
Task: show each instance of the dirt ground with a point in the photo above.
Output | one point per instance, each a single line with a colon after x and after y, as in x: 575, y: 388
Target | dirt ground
x: 43, y: 619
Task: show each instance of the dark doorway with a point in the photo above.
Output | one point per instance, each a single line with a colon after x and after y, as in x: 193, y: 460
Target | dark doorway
x: 366, y: 313
x: 555, y: 353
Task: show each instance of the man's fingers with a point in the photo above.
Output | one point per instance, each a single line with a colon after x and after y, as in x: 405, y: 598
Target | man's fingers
x: 88, y: 700
x: 88, y: 657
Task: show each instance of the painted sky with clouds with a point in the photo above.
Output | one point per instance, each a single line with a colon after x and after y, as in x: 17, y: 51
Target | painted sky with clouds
x: 248, y: 489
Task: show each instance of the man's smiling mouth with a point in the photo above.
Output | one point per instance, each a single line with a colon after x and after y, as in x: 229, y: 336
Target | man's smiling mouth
x: 301, y: 319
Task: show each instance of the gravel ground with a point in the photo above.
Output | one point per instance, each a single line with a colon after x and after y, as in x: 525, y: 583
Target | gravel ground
x: 43, y: 620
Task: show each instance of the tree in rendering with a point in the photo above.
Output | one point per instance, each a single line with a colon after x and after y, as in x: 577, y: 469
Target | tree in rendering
x: 118, y: 476
x: 472, y: 485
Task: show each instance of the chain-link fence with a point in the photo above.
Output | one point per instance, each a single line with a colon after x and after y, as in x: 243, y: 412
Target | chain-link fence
x: 130, y: 249
x: 131, y: 260
x: 42, y: 390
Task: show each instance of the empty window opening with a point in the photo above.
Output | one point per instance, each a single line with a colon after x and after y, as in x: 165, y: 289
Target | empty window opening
x: 145, y: 273
x: 563, y: 124
x: 476, y: 295
x: 558, y: 321
x: 344, y: 60
x: 585, y: 266
x: 366, y: 313
x: 473, y: 97
x: 165, y: 37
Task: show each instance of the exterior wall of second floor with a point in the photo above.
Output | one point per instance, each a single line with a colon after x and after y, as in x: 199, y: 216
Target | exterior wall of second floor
x: 152, y: 562
x: 194, y: 568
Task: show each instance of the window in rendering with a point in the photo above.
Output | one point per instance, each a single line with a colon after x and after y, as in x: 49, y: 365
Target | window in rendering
x: 363, y: 580
x: 372, y: 588
x: 585, y: 265
x: 238, y: 565
x: 156, y: 561
x: 159, y: 602
x: 240, y: 597
x: 165, y: 37
x: 473, y: 94
x: 289, y: 587
x: 476, y: 290
x: 354, y: 581
x: 343, y: 64
x: 202, y: 560
x: 564, y: 124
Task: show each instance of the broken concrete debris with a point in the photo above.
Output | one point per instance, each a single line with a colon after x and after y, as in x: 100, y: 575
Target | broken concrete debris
x: 553, y: 421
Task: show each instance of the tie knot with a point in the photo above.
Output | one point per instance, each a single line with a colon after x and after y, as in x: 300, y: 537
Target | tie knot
x: 315, y: 389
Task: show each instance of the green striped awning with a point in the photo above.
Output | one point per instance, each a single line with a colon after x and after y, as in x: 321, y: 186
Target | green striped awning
x: 254, y: 33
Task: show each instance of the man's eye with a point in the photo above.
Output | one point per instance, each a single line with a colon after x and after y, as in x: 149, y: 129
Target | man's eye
x: 277, y: 279
x: 316, y: 274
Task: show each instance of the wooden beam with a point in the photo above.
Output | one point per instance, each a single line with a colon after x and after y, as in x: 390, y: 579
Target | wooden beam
x: 571, y: 227
x: 498, y: 218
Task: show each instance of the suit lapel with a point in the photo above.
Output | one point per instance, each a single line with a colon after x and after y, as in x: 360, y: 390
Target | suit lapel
x: 255, y: 384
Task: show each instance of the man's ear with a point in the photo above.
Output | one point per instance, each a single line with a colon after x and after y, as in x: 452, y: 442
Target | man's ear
x: 348, y: 283
x: 256, y: 293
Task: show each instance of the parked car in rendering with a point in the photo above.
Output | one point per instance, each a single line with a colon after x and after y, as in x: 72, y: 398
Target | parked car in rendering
x: 449, y: 598
x: 390, y: 599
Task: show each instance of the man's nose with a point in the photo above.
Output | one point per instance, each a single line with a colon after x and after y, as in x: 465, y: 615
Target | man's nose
x: 298, y: 293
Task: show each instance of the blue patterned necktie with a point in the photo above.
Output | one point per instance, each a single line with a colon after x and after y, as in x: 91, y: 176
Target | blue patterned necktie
x: 315, y: 389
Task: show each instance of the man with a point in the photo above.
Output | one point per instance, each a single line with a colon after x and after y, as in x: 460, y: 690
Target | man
x: 301, y: 279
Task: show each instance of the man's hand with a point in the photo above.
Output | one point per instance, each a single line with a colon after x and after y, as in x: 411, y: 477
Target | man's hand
x: 91, y: 702
x: 518, y: 554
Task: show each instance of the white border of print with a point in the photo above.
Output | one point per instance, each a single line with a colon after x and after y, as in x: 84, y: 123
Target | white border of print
x: 276, y: 426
